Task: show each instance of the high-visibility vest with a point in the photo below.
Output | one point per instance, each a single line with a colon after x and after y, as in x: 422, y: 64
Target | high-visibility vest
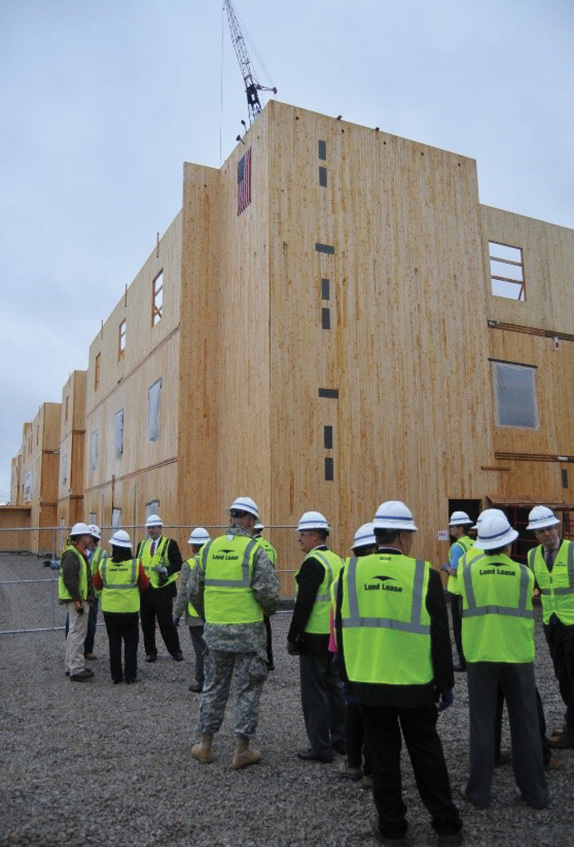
x: 385, y: 625
x: 464, y: 542
x: 159, y: 559
x: 497, y: 612
x: 454, y: 582
x: 98, y: 557
x: 319, y: 619
x: 63, y: 592
x: 191, y: 563
x: 556, y: 586
x: 120, y: 592
x: 269, y: 549
x: 227, y: 564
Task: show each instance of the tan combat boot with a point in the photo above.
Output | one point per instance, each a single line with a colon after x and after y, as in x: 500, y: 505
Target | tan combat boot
x: 244, y: 756
x: 202, y: 750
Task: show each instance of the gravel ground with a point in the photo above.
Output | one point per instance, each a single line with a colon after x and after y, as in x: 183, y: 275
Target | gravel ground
x: 98, y: 764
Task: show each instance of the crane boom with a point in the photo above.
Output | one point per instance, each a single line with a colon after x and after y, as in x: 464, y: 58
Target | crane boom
x: 252, y: 86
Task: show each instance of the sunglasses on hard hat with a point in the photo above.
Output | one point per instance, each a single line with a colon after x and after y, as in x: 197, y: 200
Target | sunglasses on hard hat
x: 237, y: 513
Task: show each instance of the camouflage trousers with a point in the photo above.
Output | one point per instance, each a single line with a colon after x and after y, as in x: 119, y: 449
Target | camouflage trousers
x: 250, y: 673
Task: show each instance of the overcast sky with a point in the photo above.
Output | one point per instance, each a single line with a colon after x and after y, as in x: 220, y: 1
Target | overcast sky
x: 103, y: 101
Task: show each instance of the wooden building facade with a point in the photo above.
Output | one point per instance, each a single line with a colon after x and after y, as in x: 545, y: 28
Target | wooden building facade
x: 333, y: 320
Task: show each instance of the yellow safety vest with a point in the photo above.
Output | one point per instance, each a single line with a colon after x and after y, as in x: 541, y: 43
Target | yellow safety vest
x: 454, y: 582
x: 191, y: 563
x: 120, y: 592
x: 63, y: 592
x: 556, y: 586
x: 319, y: 622
x: 159, y: 559
x: 385, y: 625
x: 95, y: 562
x: 227, y: 564
x: 497, y: 612
x: 269, y: 549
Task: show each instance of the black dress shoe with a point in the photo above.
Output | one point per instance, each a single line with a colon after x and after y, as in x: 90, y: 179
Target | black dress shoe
x: 195, y: 687
x: 83, y: 676
x: 130, y: 679
x: 312, y: 756
x: 177, y: 657
x: 151, y: 657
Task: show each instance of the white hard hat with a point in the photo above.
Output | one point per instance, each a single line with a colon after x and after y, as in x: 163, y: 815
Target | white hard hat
x: 120, y: 538
x: 259, y: 526
x: 154, y: 520
x: 312, y: 520
x: 393, y: 514
x: 95, y: 531
x: 494, y: 532
x: 245, y: 504
x: 199, y: 536
x: 540, y: 517
x: 459, y: 519
x: 80, y: 529
x: 364, y: 536
x: 485, y: 513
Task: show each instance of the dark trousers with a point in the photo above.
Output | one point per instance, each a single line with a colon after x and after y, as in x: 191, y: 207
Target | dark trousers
x: 158, y: 603
x: 546, y: 751
x: 383, y: 726
x: 198, y: 644
x: 92, y: 624
x: 560, y: 639
x: 517, y: 682
x: 455, y: 602
x: 358, y: 753
x: 322, y: 702
x: 123, y: 626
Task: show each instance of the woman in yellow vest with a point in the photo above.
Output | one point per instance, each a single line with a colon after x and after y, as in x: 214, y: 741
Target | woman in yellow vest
x: 198, y: 537
x: 120, y: 579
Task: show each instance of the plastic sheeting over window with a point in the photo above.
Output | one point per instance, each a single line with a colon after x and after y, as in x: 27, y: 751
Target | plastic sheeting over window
x: 116, y: 518
x: 64, y: 468
x: 94, y: 449
x: 119, y: 434
x: 515, y: 395
x: 153, y: 410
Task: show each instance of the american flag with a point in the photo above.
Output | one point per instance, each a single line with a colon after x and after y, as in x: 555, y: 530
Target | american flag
x: 244, y: 182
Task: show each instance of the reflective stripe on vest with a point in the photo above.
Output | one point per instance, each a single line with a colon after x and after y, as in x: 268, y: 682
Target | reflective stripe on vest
x: 385, y: 624
x: 123, y: 602
x: 555, y: 600
x: 63, y: 593
x: 473, y: 609
x: 230, y: 601
x: 413, y: 625
x: 318, y: 622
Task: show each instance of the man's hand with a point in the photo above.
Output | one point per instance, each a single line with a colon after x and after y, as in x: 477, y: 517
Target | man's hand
x: 446, y: 700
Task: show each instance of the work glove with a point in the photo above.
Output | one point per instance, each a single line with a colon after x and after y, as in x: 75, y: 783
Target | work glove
x: 161, y: 572
x: 176, y: 620
x: 446, y: 700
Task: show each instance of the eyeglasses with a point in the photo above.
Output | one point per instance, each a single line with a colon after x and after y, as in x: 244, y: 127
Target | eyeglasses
x: 237, y: 513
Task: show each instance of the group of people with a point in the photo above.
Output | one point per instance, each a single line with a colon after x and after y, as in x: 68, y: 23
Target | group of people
x: 372, y: 637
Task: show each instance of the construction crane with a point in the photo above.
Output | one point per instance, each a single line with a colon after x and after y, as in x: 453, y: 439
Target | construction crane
x: 252, y: 87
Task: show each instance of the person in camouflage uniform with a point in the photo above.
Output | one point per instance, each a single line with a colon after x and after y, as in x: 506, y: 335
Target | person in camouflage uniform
x: 233, y: 586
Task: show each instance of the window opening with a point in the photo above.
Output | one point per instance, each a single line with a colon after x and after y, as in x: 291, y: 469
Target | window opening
x: 506, y: 271
x: 122, y: 339
x: 119, y: 434
x: 97, y: 364
x: 153, y: 410
x: 157, y: 299
x: 515, y: 395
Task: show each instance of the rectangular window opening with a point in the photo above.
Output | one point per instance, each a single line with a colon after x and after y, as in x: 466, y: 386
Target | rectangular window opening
x: 515, y: 395
x: 325, y: 289
x: 326, y: 318
x: 97, y: 370
x: 153, y: 410
x: 323, y: 177
x: 328, y: 437
x: 119, y: 434
x: 506, y: 271
x: 122, y: 339
x: 323, y: 150
x: 564, y: 478
x: 157, y: 299
x: 94, y: 449
x: 332, y: 393
x: 329, y: 470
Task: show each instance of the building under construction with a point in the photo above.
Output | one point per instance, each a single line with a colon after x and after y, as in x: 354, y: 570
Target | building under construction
x: 331, y: 320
